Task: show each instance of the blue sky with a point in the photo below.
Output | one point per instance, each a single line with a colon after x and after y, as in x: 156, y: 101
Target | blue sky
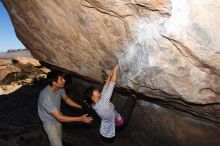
x: 8, y: 39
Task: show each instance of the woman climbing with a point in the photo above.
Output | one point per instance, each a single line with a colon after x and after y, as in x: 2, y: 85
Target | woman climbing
x: 101, y: 103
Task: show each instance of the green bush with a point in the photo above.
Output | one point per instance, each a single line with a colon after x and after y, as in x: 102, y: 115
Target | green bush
x: 20, y: 76
x: 27, y: 70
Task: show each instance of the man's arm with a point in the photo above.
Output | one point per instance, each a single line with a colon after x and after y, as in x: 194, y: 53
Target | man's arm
x: 60, y: 117
x: 70, y: 102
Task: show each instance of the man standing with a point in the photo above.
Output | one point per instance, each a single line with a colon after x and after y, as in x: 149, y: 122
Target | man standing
x: 49, y: 108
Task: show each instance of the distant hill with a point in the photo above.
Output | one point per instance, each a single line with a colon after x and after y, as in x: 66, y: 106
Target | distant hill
x: 15, y: 53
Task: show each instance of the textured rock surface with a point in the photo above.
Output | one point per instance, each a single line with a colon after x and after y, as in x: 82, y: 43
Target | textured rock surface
x: 166, y: 49
x: 27, y: 60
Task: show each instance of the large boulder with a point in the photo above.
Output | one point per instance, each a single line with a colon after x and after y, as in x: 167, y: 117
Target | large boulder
x: 165, y: 48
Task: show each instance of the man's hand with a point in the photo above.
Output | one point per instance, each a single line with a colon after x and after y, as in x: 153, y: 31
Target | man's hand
x: 86, y: 119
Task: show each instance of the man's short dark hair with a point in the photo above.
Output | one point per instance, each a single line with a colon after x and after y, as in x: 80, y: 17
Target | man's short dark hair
x: 87, y: 96
x: 53, y: 76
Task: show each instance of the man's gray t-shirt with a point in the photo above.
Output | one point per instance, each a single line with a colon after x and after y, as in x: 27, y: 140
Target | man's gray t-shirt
x: 49, y: 101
